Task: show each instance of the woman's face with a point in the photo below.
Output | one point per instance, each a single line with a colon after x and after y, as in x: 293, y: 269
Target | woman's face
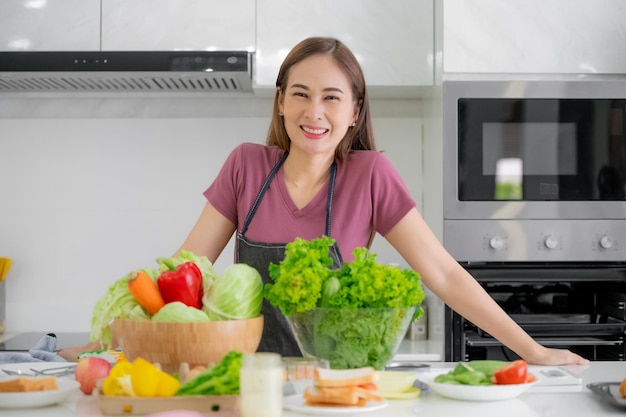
x: 317, y: 106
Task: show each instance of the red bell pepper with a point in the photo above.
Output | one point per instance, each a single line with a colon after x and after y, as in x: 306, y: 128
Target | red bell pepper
x: 182, y: 283
x: 515, y: 372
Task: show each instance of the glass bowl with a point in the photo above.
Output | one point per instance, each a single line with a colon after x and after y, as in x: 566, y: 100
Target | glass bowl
x: 351, y: 337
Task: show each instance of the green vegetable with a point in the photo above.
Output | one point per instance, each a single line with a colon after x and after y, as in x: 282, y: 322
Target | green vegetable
x: 178, y: 311
x: 331, y: 287
x: 236, y: 294
x: 353, y: 329
x: 220, y: 379
x: 299, y: 277
x: 478, y: 372
x: 117, y: 302
x: 488, y: 367
x: 366, y: 283
x: 353, y: 337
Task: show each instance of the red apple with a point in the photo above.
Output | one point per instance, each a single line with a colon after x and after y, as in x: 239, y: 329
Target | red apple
x: 89, y: 370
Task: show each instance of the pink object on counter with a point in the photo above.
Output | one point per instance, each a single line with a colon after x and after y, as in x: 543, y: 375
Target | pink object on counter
x: 176, y: 413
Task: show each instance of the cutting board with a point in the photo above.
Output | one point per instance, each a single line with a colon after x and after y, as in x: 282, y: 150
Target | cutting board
x: 555, y: 379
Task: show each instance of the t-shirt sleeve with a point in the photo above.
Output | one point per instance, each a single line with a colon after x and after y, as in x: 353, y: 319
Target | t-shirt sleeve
x: 392, y: 199
x: 223, y: 192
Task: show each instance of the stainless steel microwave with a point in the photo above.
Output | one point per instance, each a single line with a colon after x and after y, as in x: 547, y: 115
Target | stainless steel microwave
x: 543, y: 157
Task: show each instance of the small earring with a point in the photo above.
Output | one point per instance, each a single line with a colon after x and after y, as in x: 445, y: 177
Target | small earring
x: 280, y: 113
x: 353, y: 124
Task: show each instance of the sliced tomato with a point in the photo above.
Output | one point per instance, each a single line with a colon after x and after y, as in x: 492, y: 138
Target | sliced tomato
x: 515, y: 372
x: 369, y: 386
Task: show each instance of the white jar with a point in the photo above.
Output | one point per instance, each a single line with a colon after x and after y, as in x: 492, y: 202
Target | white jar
x: 261, y: 382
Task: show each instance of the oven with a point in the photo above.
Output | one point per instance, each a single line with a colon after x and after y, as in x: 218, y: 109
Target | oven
x: 535, y: 209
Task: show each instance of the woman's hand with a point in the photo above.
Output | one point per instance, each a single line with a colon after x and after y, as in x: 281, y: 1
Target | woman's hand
x: 70, y: 354
x: 550, y: 356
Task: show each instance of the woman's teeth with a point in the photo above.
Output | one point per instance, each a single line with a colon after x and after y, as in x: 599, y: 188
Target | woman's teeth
x: 314, y: 131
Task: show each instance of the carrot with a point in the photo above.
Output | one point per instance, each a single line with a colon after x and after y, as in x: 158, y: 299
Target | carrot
x: 145, y: 291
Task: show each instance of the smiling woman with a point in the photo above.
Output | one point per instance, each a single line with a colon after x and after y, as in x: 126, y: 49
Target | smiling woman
x: 319, y: 174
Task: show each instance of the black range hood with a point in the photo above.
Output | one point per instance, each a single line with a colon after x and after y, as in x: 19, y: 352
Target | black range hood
x: 127, y: 71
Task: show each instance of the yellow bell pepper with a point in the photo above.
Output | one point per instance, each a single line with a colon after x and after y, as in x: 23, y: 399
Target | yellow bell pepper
x: 139, y: 379
x: 168, y: 385
x: 149, y: 381
x: 145, y: 378
x: 118, y: 383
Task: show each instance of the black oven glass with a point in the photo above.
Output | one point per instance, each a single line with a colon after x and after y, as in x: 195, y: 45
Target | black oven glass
x: 541, y: 149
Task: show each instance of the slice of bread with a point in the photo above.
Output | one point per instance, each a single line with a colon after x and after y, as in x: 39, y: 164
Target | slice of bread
x: 29, y: 384
x: 343, y: 387
x: 344, y: 377
x: 340, y: 396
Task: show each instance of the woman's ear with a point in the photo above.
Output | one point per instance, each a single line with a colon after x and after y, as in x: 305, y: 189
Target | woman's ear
x: 357, y: 111
x: 281, y: 99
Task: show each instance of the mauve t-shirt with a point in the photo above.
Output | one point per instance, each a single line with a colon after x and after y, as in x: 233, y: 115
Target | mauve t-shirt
x: 369, y: 195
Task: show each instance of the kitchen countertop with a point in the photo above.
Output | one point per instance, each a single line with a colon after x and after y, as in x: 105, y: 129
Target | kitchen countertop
x: 530, y: 404
x: 22, y: 342
x: 419, y: 351
x: 409, y: 350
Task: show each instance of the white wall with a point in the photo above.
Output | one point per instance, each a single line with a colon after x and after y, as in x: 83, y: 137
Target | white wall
x: 91, y: 189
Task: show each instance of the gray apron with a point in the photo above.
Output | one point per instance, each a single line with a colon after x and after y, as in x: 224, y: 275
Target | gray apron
x: 277, y: 335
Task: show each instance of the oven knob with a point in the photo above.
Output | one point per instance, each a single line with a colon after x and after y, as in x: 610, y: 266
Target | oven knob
x: 606, y: 242
x: 496, y: 242
x: 551, y: 242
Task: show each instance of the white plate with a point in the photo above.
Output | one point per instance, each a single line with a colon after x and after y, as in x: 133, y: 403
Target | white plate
x: 297, y: 403
x: 27, y: 367
x: 473, y: 392
x: 40, y: 398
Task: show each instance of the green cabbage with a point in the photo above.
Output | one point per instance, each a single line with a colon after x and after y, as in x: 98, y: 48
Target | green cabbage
x: 117, y: 302
x: 237, y: 293
x: 179, y: 312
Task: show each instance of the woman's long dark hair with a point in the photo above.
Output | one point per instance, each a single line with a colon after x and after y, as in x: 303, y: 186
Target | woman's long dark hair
x: 358, y: 137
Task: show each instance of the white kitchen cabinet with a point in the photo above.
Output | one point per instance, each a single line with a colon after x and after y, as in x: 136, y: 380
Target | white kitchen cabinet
x: 40, y: 25
x: 534, y: 36
x: 151, y: 25
x: 393, y: 40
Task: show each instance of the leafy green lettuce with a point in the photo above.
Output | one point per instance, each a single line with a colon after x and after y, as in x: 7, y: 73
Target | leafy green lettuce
x: 352, y: 337
x: 367, y: 305
x: 300, y: 276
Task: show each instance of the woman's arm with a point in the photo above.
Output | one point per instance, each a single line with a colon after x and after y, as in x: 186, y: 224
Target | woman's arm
x: 209, y: 235
x: 443, y: 275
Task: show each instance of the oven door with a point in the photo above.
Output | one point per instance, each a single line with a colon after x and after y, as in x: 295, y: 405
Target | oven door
x: 580, y: 307
x: 534, y: 150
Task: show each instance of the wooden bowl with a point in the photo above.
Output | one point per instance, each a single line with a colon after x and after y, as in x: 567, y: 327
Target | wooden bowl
x: 169, y: 344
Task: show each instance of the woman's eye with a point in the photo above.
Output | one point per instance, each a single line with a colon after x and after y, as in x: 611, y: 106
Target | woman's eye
x: 332, y: 98
x: 299, y: 94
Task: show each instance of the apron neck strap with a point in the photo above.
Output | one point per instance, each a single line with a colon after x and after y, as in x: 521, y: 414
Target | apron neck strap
x: 329, y: 200
x: 264, y: 188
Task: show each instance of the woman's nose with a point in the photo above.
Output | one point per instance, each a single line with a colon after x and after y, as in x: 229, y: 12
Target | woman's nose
x: 314, y: 110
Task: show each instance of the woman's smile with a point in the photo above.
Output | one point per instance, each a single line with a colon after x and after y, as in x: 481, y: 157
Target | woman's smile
x: 312, y: 132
